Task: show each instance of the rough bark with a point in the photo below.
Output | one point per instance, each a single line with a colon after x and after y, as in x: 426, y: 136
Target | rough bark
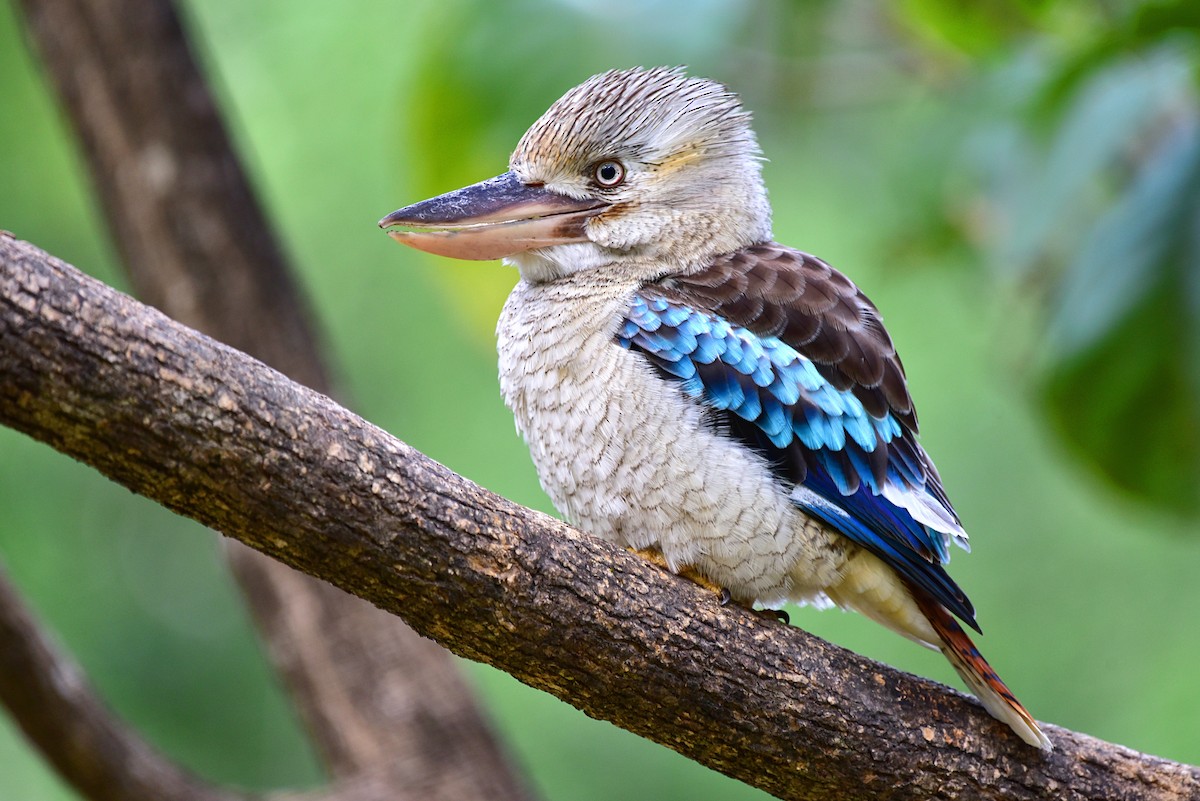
x: 197, y: 245
x: 215, y: 435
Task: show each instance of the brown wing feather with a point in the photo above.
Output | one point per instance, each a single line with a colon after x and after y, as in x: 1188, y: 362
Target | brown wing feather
x: 774, y: 290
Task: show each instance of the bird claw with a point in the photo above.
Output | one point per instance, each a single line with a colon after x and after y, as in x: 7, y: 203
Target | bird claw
x: 780, y: 615
x: 690, y: 573
x: 724, y: 596
x: 652, y: 555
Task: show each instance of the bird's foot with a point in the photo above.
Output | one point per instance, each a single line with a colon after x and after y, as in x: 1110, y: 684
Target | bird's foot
x: 724, y: 596
x: 690, y: 573
x: 771, y: 614
x: 775, y: 614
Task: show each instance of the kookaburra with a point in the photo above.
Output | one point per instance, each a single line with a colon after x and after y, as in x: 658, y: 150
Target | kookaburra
x: 687, y: 385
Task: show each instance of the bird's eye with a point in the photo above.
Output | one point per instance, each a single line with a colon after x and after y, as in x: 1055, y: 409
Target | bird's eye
x: 609, y: 173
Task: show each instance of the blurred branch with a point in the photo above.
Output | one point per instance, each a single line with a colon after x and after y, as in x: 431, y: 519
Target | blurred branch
x: 215, y: 435
x: 51, y: 702
x: 102, y: 757
x: 197, y: 245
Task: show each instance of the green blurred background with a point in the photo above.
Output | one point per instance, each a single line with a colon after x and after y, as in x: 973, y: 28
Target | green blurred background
x: 1014, y: 183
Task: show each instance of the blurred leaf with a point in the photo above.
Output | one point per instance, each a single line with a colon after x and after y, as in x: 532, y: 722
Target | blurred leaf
x: 1156, y: 21
x: 1124, y: 387
x: 1089, y: 202
x: 976, y: 28
x: 1051, y: 199
x: 1148, y: 27
x: 1130, y: 250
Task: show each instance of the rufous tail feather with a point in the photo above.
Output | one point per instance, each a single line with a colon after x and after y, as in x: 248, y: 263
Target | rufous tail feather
x: 977, y: 673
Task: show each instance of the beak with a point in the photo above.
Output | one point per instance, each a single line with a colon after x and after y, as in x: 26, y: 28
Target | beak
x: 492, y: 219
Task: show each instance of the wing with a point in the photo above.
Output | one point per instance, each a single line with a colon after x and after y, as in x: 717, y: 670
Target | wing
x: 793, y: 361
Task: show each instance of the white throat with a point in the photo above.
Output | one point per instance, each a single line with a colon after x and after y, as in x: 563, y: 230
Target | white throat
x: 548, y: 264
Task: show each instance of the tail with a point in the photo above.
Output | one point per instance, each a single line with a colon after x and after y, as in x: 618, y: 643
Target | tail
x: 977, y: 673
x: 869, y: 586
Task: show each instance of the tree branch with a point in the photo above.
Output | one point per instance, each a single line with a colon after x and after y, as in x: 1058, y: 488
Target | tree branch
x: 215, y: 435
x: 196, y: 244
x: 101, y: 756
x: 56, y: 709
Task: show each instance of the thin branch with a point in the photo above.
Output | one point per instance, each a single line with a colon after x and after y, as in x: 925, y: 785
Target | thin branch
x: 102, y: 757
x: 197, y: 245
x: 54, y: 706
x: 215, y: 435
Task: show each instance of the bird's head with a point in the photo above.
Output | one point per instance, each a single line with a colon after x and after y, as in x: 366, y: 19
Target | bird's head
x: 646, y: 169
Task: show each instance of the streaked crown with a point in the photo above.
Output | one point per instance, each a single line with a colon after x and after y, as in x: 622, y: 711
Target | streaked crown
x: 644, y: 115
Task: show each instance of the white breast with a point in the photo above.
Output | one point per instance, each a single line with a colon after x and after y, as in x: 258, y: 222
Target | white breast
x: 624, y: 455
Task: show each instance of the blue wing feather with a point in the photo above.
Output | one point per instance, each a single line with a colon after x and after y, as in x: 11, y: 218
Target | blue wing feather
x: 861, y: 473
